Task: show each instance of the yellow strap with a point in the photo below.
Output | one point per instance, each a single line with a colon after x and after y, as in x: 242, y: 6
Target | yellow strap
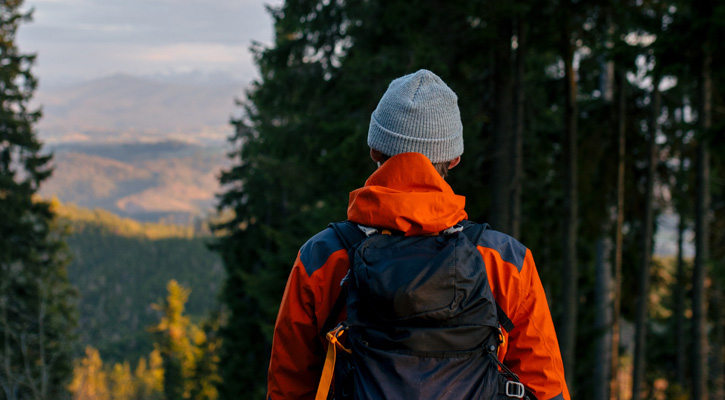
x: 502, y: 341
x: 328, y: 371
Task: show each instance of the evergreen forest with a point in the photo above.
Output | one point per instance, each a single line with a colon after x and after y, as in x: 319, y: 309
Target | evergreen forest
x: 121, y: 268
x: 591, y: 128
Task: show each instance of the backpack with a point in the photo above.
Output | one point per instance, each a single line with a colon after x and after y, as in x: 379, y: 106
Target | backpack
x: 421, y: 322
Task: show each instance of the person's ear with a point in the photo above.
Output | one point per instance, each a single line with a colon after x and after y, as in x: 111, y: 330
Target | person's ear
x: 454, y: 162
x: 376, y: 155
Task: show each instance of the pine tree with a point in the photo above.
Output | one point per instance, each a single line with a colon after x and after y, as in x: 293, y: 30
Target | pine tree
x: 121, y: 382
x: 36, y: 313
x: 189, y: 353
x: 149, y: 377
x: 301, y: 143
x: 90, y: 380
x: 174, y: 343
x: 205, y: 375
x: 300, y: 146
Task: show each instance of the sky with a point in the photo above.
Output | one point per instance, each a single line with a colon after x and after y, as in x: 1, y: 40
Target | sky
x: 80, y: 40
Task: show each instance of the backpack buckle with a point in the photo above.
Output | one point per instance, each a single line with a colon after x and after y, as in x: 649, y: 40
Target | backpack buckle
x: 453, y: 229
x: 515, y: 389
x: 334, y: 335
x: 367, y: 230
x: 501, y: 338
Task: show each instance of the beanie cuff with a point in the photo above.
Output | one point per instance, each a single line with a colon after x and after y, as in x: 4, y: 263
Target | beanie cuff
x: 436, y: 149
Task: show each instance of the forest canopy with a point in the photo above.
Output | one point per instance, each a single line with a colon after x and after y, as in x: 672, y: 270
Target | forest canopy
x: 584, y: 122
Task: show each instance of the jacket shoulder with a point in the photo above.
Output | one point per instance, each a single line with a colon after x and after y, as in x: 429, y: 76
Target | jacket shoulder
x: 510, y: 249
x: 318, y: 249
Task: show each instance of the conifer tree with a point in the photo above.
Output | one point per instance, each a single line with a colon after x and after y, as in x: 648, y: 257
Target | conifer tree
x: 189, y: 353
x: 36, y: 314
x: 149, y: 377
x: 90, y: 380
x: 300, y: 146
x: 174, y: 344
x: 122, y: 384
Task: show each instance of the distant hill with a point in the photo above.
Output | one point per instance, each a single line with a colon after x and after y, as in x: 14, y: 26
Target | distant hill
x: 127, y: 107
x: 149, y: 181
x: 146, y: 148
x: 81, y: 219
x: 120, y: 267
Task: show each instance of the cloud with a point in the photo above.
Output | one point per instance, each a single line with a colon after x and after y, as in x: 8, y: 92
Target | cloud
x: 82, y: 39
x: 137, y: 59
x: 187, y: 54
x: 111, y: 28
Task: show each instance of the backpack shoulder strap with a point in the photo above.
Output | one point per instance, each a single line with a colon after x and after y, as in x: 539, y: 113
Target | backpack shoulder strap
x: 475, y: 232
x: 335, y: 312
x: 350, y: 235
x: 348, y: 232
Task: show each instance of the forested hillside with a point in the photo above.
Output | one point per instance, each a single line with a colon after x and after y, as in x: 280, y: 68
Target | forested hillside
x: 168, y: 180
x: 120, y: 267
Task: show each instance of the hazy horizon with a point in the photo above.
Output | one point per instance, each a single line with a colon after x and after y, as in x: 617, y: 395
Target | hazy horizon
x: 82, y: 40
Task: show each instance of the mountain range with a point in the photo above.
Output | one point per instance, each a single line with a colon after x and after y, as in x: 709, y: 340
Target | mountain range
x: 167, y: 181
x: 146, y: 149
x: 124, y: 107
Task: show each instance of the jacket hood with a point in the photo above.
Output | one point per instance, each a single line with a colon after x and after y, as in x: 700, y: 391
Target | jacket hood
x: 407, y: 194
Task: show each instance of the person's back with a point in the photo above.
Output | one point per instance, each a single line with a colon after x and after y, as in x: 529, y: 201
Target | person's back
x: 415, y: 126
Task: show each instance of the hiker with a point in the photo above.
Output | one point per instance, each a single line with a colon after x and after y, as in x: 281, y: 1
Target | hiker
x: 415, y: 137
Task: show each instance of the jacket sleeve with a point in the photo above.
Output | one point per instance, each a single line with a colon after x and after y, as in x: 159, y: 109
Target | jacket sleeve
x: 533, y: 349
x: 297, y: 355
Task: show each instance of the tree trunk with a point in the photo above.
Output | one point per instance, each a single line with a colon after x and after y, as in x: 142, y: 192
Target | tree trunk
x: 603, y: 319
x: 718, y: 392
x: 603, y: 282
x: 641, y: 318
x: 569, y: 270
x: 702, y: 209
x: 517, y: 142
x: 680, y: 281
x: 503, y: 131
x: 614, y: 389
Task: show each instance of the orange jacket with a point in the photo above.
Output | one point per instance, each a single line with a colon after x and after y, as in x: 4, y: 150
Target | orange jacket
x: 407, y: 194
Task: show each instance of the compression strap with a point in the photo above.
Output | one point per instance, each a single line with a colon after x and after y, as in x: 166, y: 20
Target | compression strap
x: 328, y: 370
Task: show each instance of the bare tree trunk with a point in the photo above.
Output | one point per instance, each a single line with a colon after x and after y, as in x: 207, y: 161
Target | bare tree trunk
x: 616, y: 293
x: 570, y: 269
x: 43, y: 359
x: 517, y: 141
x: 603, y: 286
x: 641, y: 317
x: 680, y: 281
x: 8, y: 379
x: 702, y: 209
x: 680, y: 305
x: 503, y: 131
x: 717, y: 343
x: 604, y: 318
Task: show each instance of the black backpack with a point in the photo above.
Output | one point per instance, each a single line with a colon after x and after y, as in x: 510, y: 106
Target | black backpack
x: 421, y: 323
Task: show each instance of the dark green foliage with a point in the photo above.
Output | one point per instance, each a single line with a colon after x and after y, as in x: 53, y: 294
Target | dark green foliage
x: 300, y: 147
x: 37, y: 316
x: 119, y: 277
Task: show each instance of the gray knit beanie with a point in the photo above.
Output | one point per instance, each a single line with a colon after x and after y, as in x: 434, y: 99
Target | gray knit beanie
x: 418, y: 113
